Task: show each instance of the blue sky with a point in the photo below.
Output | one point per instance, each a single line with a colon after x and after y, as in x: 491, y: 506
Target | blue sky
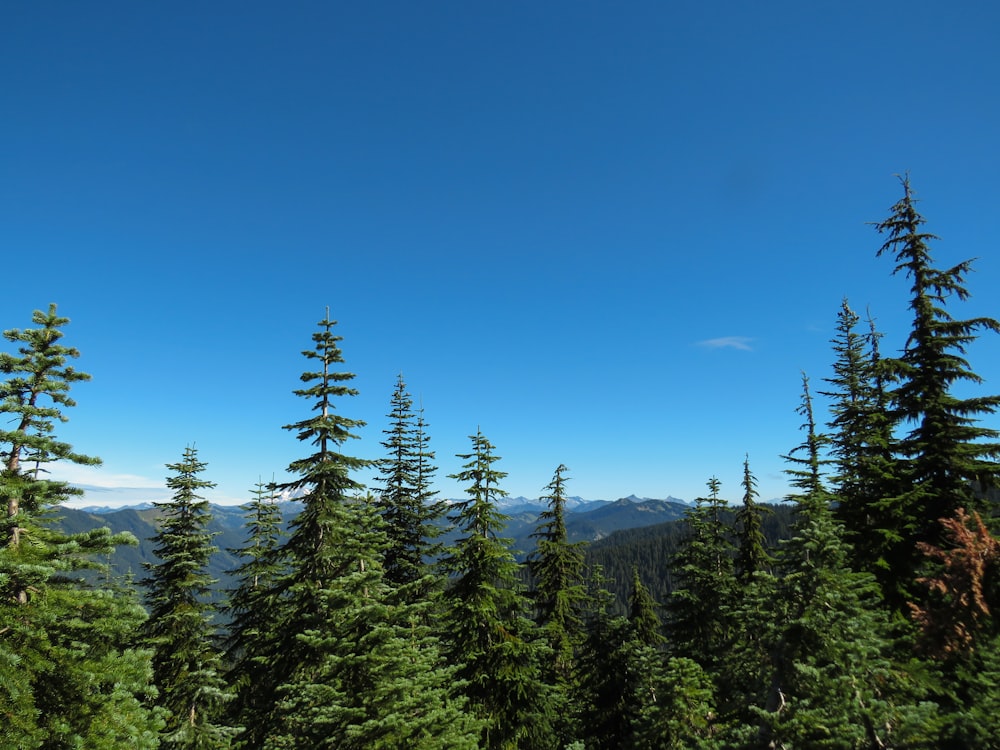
x: 610, y: 235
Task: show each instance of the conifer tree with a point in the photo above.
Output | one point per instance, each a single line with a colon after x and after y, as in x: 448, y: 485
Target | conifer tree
x: 490, y: 634
x: 353, y: 666
x: 947, y: 452
x: 187, y: 666
x: 70, y: 675
x: 752, y: 555
x: 698, y: 624
x: 608, y: 667
x: 406, y: 500
x: 251, y: 607
x: 832, y: 682
x: 556, y: 568
x: 862, y: 443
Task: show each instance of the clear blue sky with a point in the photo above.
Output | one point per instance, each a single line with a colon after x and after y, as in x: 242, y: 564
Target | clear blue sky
x: 611, y: 235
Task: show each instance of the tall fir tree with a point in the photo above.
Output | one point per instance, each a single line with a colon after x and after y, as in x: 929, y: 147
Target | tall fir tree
x: 352, y: 665
x: 608, y: 669
x: 406, y: 499
x: 672, y: 701
x: 187, y: 665
x: 947, y: 453
x: 861, y: 443
x: 557, y: 572
x: 832, y: 682
x: 490, y: 634
x: 752, y: 555
x: 70, y: 674
x: 251, y: 605
x: 559, y: 596
x: 698, y: 624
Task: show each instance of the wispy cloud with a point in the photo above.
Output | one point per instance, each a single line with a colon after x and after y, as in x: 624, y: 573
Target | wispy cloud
x: 96, y: 477
x: 728, y: 342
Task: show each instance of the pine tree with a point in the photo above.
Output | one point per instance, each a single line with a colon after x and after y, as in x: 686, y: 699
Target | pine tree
x: 374, y: 676
x: 608, y: 668
x: 34, y: 393
x: 187, y: 666
x: 490, y: 634
x: 832, y: 683
x: 698, y: 625
x: 251, y: 608
x: 556, y: 568
x: 947, y: 452
x: 862, y: 443
x: 406, y: 500
x: 70, y: 675
x: 752, y: 555
x: 353, y: 665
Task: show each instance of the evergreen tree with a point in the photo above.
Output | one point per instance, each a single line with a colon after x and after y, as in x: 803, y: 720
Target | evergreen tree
x: 642, y: 615
x: 947, y: 452
x: 187, y: 666
x: 752, y: 555
x: 556, y: 568
x: 832, y: 683
x: 375, y: 677
x: 352, y: 665
x: 406, y: 500
x: 34, y: 394
x: 70, y: 674
x: 862, y: 444
x: 251, y: 607
x: 608, y: 668
x: 698, y: 625
x: 490, y: 634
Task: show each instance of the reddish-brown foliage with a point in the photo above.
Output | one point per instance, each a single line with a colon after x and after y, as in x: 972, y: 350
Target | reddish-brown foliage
x: 956, y: 605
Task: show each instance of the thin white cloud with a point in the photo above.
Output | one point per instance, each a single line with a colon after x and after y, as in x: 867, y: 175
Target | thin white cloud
x: 728, y: 342
x: 97, y: 477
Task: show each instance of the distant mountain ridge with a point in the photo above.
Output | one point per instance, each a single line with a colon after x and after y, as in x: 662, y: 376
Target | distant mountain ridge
x: 585, y: 521
x: 574, y: 504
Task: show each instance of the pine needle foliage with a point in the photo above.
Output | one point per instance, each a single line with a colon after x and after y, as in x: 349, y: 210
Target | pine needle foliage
x: 698, y: 624
x: 489, y: 633
x: 947, y: 451
x: 405, y: 499
x: 557, y: 571
x: 70, y: 674
x: 832, y: 683
x: 251, y: 607
x: 187, y: 666
x: 351, y: 663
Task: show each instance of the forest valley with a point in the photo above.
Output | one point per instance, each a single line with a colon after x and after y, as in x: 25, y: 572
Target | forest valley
x: 356, y: 626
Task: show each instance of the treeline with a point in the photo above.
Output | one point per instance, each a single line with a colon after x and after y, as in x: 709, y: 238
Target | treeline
x: 869, y: 626
x: 652, y: 550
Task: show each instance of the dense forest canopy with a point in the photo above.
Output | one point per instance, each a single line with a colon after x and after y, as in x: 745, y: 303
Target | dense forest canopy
x: 860, y: 614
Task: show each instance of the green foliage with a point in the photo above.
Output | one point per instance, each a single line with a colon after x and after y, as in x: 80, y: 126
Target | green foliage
x: 406, y: 500
x: 698, y: 625
x: 70, y: 674
x: 862, y: 444
x: 752, y: 556
x: 833, y: 684
x: 187, y: 667
x: 556, y: 567
x: 946, y: 450
x: 351, y: 663
x: 251, y: 608
x: 487, y: 627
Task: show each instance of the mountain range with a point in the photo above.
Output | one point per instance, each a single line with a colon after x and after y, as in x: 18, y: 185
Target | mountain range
x: 585, y: 521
